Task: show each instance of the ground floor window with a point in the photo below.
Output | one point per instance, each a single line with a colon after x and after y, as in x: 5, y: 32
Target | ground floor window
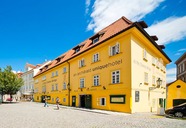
x: 117, y: 99
x: 103, y: 101
x: 64, y: 99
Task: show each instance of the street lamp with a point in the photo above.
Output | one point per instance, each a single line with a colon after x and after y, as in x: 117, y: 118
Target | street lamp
x: 159, y: 82
x: 68, y: 86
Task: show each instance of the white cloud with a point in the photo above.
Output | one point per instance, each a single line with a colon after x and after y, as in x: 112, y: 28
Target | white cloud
x: 181, y: 50
x: 169, y: 30
x: 107, y: 11
x: 171, y: 75
x: 171, y: 71
x: 87, y: 4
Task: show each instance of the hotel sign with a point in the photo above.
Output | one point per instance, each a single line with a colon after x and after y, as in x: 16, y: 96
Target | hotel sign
x: 100, y: 67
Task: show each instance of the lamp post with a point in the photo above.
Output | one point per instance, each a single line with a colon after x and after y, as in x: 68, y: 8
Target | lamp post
x: 68, y: 87
x: 159, y: 82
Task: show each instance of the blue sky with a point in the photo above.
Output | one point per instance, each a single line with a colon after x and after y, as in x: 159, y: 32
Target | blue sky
x: 34, y: 30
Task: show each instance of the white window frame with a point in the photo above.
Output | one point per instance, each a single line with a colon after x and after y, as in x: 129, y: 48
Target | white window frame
x: 56, y: 85
x: 95, y: 57
x: 153, y: 80
x: 96, y: 80
x: 44, y: 78
x: 64, y: 86
x: 82, y: 82
x: 95, y: 40
x: 101, y: 103
x: 56, y: 73
x: 115, y: 49
x: 52, y: 87
x: 82, y: 63
x: 115, y: 77
x: 64, y: 69
x: 144, y: 54
x: 53, y: 74
x: 146, y: 77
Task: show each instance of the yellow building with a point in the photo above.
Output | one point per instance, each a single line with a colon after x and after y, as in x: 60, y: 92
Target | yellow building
x: 176, y: 93
x: 116, y: 69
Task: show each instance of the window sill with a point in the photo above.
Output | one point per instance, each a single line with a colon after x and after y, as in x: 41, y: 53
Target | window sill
x: 145, y: 83
x: 115, y: 83
x: 95, y: 62
x: 96, y: 86
x: 82, y: 66
x: 115, y: 54
x: 145, y: 59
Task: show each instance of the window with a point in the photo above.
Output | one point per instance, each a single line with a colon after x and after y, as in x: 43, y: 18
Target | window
x: 53, y: 74
x: 56, y: 86
x: 116, y: 77
x: 103, y: 101
x: 144, y: 54
x: 36, y: 81
x: 153, y: 80
x: 64, y: 86
x: 96, y: 80
x: 64, y: 70
x: 81, y: 63
x: 113, y: 50
x: 145, y: 77
x: 44, y: 78
x: 82, y: 83
x: 43, y: 88
x: 183, y: 68
x: 52, y: 87
x: 64, y: 99
x: 153, y: 61
x: 95, y: 40
x: 56, y: 73
x: 117, y: 99
x: 96, y: 57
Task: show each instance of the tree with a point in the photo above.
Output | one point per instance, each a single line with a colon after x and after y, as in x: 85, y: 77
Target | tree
x: 10, y: 83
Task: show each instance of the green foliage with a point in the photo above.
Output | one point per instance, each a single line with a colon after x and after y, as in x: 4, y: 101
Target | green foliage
x: 9, y: 82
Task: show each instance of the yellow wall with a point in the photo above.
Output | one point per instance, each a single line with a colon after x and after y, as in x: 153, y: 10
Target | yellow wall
x: 175, y: 93
x: 122, y: 61
x: 59, y: 79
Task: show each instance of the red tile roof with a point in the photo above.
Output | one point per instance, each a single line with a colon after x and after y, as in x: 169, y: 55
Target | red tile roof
x: 110, y: 31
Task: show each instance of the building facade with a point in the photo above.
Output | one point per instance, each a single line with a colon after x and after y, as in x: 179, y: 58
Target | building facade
x: 176, y: 93
x: 27, y: 89
x: 181, y: 68
x: 116, y: 69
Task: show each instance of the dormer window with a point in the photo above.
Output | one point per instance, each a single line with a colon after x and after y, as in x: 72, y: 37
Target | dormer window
x: 95, y: 40
x: 77, y: 49
x: 46, y: 66
x: 58, y: 59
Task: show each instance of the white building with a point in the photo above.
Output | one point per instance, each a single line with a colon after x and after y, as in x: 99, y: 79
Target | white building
x: 27, y: 89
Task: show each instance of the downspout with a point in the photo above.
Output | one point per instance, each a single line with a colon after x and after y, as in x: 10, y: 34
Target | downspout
x: 68, y: 86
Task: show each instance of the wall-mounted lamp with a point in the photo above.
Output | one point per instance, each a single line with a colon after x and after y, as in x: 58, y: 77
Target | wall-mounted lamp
x: 104, y: 87
x: 140, y: 84
x: 159, y: 82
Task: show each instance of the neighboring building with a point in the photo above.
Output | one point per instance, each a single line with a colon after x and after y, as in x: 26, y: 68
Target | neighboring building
x: 116, y: 69
x: 181, y: 68
x: 27, y: 89
x: 176, y: 93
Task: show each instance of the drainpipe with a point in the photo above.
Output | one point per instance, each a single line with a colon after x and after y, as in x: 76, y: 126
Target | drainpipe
x: 68, y: 86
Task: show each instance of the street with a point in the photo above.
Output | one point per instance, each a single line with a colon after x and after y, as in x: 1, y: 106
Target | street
x: 34, y: 115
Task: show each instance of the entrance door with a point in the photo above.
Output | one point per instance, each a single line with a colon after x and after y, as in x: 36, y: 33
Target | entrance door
x: 82, y: 101
x: 88, y: 101
x: 42, y: 98
x: 73, y: 101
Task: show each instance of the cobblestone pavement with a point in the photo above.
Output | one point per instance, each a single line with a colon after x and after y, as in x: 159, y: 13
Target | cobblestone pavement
x: 34, y: 115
